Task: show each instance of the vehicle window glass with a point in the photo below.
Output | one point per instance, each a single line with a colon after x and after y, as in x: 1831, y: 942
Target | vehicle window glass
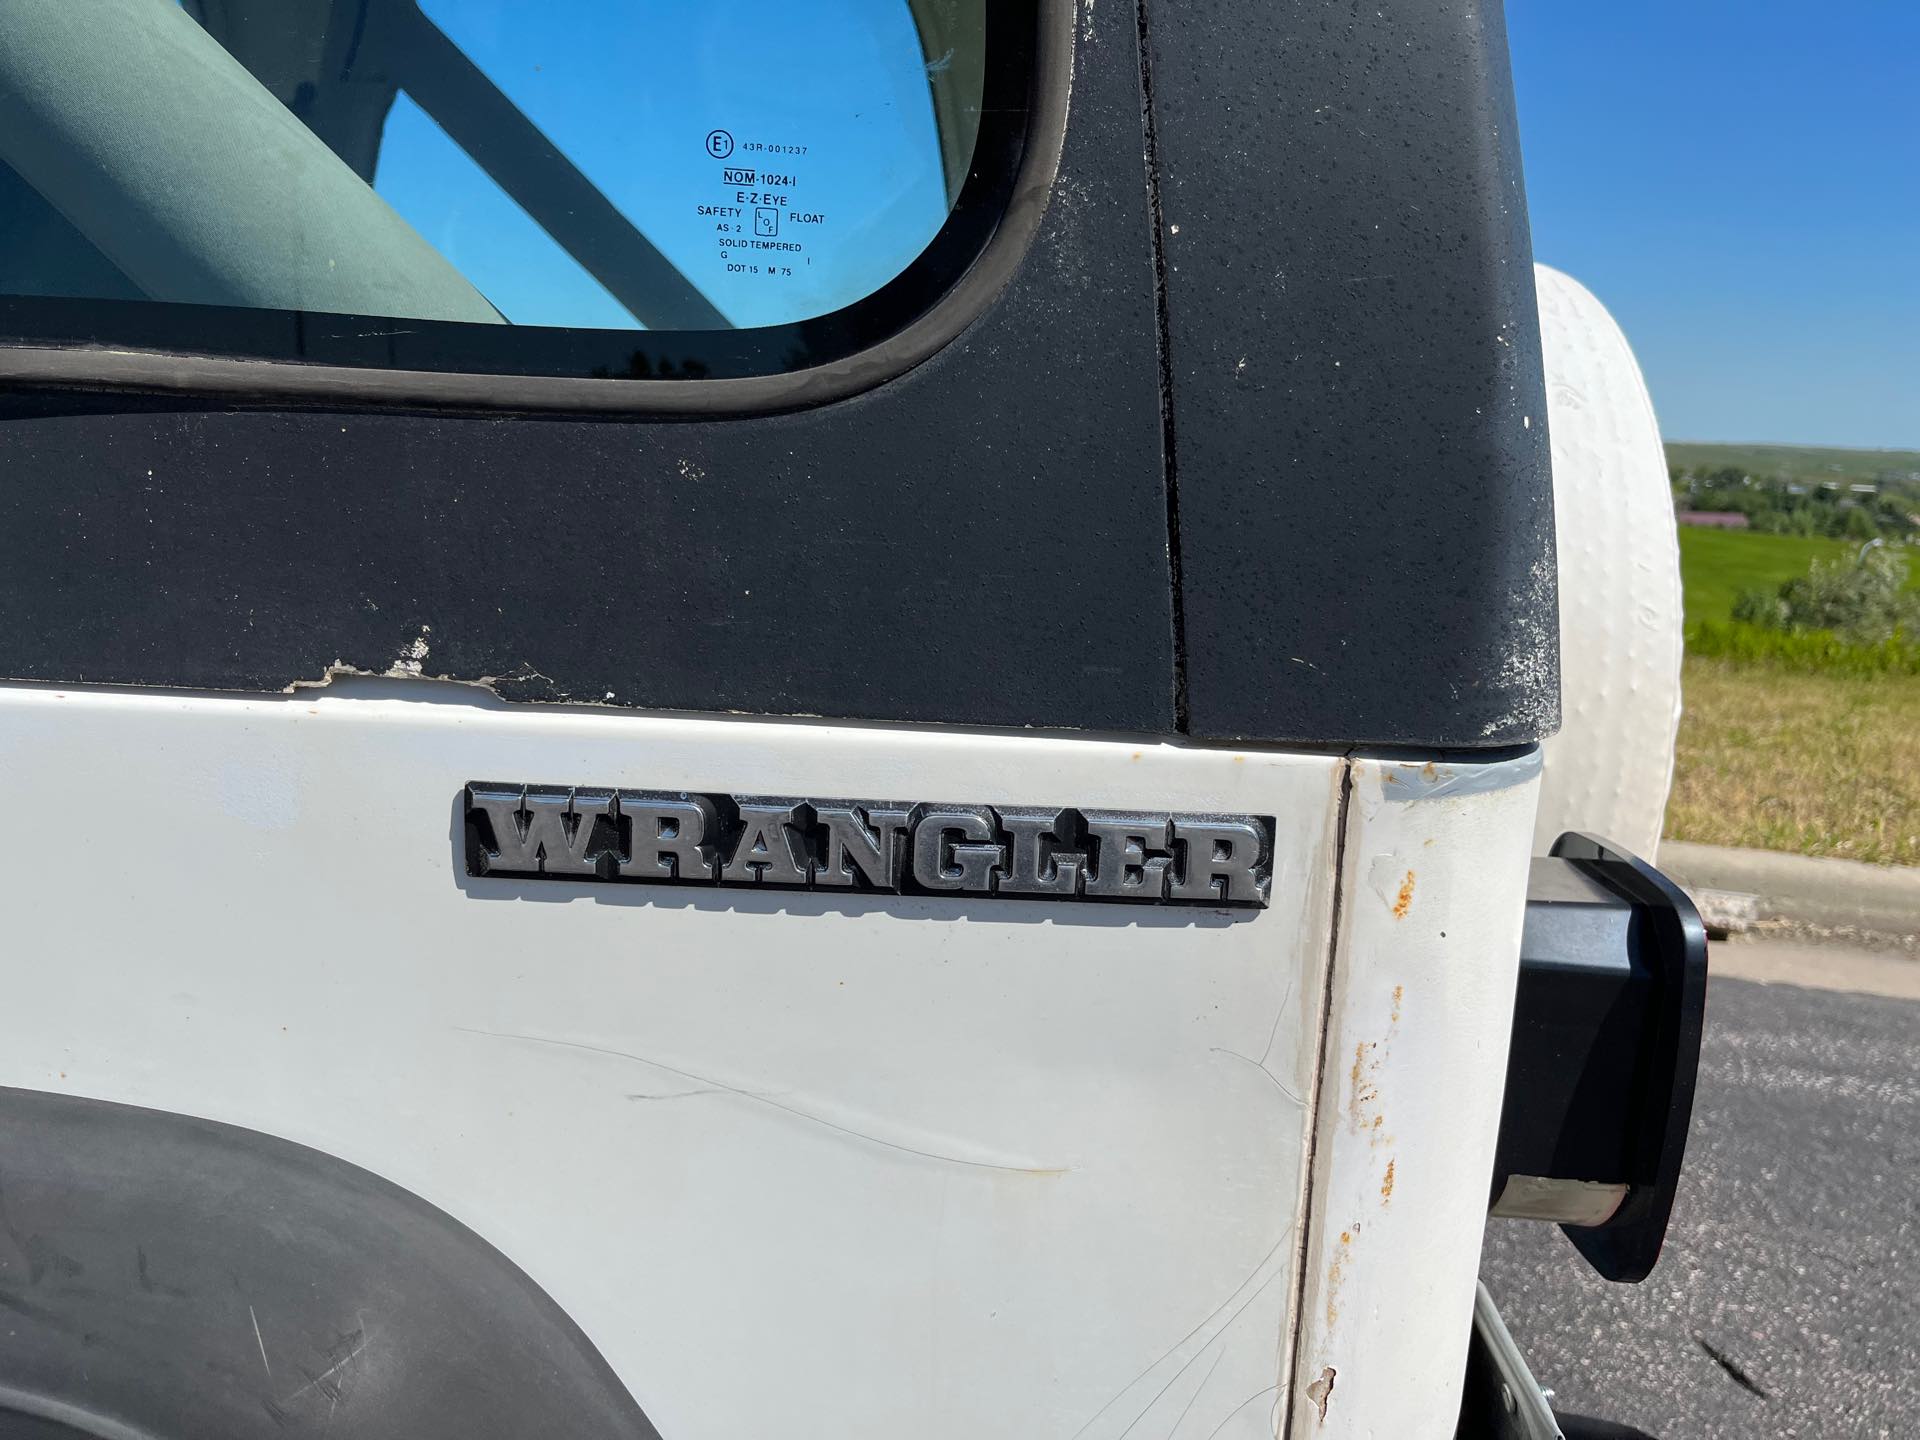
x: 574, y: 167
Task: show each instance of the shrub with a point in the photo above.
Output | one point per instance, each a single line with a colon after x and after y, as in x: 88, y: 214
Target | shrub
x: 1862, y: 600
x: 1764, y: 608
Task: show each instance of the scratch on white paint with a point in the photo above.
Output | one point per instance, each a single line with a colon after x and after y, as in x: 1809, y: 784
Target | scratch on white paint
x: 867, y: 1128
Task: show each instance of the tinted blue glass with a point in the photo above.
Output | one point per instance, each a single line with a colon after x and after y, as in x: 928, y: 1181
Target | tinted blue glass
x: 784, y: 157
x: 669, y: 165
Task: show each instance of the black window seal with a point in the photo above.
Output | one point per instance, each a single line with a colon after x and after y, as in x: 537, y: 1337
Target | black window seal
x: 58, y: 365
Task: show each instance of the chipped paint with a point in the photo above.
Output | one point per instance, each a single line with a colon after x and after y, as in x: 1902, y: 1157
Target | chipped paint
x: 1423, y: 982
x: 1432, y: 781
x: 1364, y: 1113
x: 1321, y: 1391
x: 1336, y: 1271
x: 1362, y: 1091
x: 1403, y: 901
x: 410, y: 665
x: 412, y: 660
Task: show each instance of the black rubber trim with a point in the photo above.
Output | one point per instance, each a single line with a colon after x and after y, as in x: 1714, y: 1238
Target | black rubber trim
x: 178, y: 1279
x: 919, y: 312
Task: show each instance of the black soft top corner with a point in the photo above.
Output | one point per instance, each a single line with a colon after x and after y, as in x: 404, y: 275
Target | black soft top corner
x: 1358, y: 413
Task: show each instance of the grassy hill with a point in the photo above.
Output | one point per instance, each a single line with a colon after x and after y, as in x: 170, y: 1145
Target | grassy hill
x: 1799, y: 462
x: 1814, y: 764
x: 1773, y: 756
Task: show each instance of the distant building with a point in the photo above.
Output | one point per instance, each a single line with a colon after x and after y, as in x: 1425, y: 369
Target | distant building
x: 1864, y: 489
x: 1714, y: 519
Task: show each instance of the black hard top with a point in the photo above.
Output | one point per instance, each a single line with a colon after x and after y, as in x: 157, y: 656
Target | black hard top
x: 1241, y: 437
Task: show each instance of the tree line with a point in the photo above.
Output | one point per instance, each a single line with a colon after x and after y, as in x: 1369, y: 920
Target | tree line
x: 1780, y: 506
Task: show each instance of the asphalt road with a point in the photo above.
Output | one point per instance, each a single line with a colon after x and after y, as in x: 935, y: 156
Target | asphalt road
x: 1787, y: 1302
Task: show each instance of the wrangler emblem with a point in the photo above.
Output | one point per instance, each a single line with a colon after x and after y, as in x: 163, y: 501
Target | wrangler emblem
x: 561, y: 832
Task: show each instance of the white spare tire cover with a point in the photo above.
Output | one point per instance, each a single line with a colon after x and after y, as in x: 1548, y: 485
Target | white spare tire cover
x: 1608, y: 770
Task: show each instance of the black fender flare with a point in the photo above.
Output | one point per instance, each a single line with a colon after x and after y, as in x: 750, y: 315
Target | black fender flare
x: 173, y: 1278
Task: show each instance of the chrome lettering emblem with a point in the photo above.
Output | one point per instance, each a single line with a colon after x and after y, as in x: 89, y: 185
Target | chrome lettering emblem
x: 559, y: 832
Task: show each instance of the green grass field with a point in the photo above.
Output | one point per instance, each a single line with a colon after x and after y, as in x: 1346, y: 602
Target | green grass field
x: 1778, y: 759
x: 1811, y: 764
x: 1716, y: 565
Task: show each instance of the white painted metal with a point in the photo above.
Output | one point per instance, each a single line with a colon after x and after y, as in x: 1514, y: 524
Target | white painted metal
x: 1433, y: 892
x: 800, y: 1165
x: 803, y: 1164
x: 1609, y: 768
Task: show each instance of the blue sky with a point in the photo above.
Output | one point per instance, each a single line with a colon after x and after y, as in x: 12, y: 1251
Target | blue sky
x: 1739, y: 183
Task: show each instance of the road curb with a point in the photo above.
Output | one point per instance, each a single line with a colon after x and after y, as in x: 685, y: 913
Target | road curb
x: 1819, y: 966
x: 1836, y: 894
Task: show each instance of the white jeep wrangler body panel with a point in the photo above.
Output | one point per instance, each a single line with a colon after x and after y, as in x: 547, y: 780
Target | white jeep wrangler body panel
x: 799, y: 1162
